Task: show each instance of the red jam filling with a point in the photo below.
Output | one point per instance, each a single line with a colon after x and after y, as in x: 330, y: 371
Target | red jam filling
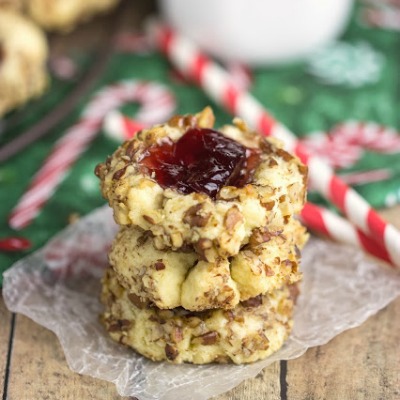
x: 202, y: 160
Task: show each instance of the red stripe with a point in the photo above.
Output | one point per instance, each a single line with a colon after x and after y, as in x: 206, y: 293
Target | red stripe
x: 337, y: 193
x: 301, y: 152
x: 373, y: 248
x: 197, y: 68
x: 20, y: 224
x: 230, y: 97
x: 26, y: 214
x: 376, y: 225
x: 165, y: 38
x: 143, y: 92
x: 131, y: 127
x: 314, y: 219
x: 91, y: 123
x: 55, y: 171
x: 26, y: 211
x: 266, y: 123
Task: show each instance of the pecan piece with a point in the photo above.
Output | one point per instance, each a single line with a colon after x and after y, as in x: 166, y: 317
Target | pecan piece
x: 208, y: 338
x: 98, y: 170
x: 284, y: 154
x: 149, y: 219
x: 259, y: 236
x: 143, y: 239
x: 201, y: 247
x: 232, y: 218
x: 171, y: 352
x: 119, y: 174
x: 194, y: 218
x: 266, y: 147
x: 272, y: 162
x: 176, y: 121
x: 182, y: 121
x: 269, y: 271
x: 206, y: 119
x: 253, y: 302
x: 177, y: 334
x: 159, y: 265
x: 262, y: 235
x: 120, y: 325
x: 130, y: 150
x: 269, y: 205
x: 138, y: 301
x: 294, y: 292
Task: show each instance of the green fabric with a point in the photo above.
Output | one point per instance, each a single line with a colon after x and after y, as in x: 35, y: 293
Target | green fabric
x: 355, y: 78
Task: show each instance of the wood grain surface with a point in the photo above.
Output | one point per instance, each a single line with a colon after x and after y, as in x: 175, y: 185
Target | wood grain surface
x: 361, y: 363
x: 5, y: 326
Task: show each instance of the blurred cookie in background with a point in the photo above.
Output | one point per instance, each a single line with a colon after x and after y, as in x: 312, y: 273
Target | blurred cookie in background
x: 15, y: 4
x: 23, y: 56
x: 61, y: 15
x: 23, y: 44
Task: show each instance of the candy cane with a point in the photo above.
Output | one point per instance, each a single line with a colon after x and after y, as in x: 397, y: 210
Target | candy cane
x: 217, y: 84
x: 358, y: 178
x: 14, y: 244
x: 344, y: 145
x: 388, y: 18
x: 335, y: 152
x: 380, y: 3
x: 367, y: 135
x: 157, y: 104
x: 120, y: 127
x: 326, y: 222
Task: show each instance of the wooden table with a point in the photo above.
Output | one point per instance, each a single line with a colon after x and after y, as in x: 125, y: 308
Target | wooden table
x: 362, y: 363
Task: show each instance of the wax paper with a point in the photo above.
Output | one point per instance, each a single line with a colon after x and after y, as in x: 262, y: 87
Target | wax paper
x: 59, y: 285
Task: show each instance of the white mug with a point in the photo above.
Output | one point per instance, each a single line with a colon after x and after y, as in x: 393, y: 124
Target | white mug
x: 258, y: 32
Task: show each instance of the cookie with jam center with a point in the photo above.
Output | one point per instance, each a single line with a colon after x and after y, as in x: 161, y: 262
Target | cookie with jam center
x: 190, y: 184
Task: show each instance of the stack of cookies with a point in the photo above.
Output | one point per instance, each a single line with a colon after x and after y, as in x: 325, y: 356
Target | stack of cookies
x: 205, y: 264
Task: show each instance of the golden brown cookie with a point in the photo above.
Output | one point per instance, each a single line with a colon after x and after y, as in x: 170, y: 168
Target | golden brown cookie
x: 171, y: 279
x: 14, y: 4
x: 251, y: 331
x: 23, y: 56
x: 263, y: 185
x: 64, y: 15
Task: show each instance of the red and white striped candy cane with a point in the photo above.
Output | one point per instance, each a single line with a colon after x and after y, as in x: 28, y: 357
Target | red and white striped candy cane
x: 367, y: 135
x: 119, y: 127
x: 358, y: 178
x: 338, y: 154
x: 217, y: 84
x: 328, y: 223
x: 157, y: 104
x: 387, y: 18
x: 344, y: 145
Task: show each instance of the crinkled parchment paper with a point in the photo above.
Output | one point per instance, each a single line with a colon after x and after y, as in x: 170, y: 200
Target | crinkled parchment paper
x: 58, y: 287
